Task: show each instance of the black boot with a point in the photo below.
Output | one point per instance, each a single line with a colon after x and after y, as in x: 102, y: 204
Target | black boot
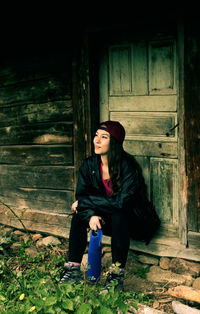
x: 115, y: 279
x: 71, y: 273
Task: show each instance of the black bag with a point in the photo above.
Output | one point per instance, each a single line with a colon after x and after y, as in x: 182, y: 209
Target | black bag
x: 144, y: 222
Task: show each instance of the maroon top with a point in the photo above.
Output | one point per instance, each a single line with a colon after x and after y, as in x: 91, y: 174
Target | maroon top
x: 107, y: 183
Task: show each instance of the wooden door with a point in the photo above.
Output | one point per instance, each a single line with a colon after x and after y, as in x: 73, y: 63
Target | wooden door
x: 139, y: 88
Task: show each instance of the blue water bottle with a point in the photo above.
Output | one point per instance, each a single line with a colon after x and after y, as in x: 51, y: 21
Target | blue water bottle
x: 94, y: 255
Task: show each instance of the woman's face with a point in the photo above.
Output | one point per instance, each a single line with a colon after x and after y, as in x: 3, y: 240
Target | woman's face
x: 101, y: 142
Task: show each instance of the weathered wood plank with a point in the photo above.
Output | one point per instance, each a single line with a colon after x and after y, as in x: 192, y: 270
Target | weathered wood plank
x: 37, y: 155
x: 34, y: 113
x: 183, y: 212
x: 164, y: 176
x: 79, y: 132
x: 44, y: 90
x: 128, y: 69
x: 171, y: 249
x: 55, y: 201
x: 104, y: 98
x: 162, y: 59
x: 143, y: 103
x: 120, y: 70
x: 59, y: 225
x: 149, y: 148
x: 55, y: 224
x: 41, y: 133
x: 192, y: 117
x: 166, y: 231
x: 26, y: 68
x: 46, y: 177
x: 152, y: 126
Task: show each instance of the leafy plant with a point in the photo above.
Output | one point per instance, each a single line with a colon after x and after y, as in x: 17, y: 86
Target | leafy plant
x: 30, y: 285
x: 5, y: 243
x: 141, y: 272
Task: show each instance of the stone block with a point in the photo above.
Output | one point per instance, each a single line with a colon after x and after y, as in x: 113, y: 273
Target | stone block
x: 157, y: 274
x: 165, y: 262
x: 196, y: 283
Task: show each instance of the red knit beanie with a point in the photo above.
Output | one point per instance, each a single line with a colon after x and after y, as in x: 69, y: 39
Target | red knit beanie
x: 115, y: 129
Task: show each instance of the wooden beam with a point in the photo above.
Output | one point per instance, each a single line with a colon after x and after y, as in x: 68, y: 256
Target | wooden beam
x: 85, y: 83
x: 44, y: 200
x: 192, y: 118
x: 79, y: 133
x: 181, y: 144
x: 37, y: 221
x: 59, y: 225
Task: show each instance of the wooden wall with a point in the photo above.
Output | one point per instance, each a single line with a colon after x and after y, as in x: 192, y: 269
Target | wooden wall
x: 38, y: 93
x: 36, y: 150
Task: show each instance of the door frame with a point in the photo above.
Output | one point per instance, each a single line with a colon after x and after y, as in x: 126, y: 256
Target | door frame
x: 183, y: 232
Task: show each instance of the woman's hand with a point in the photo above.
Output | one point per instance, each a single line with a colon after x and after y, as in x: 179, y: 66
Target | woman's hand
x: 95, y: 222
x: 74, y: 206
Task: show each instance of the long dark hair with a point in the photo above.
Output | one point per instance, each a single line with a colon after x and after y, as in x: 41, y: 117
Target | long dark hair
x: 114, y: 164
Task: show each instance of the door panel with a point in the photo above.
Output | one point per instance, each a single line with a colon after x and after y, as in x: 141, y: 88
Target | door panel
x: 148, y: 125
x: 128, y: 69
x: 153, y: 148
x: 120, y: 71
x: 163, y: 176
x: 138, y: 87
x: 143, y: 103
x: 162, y: 68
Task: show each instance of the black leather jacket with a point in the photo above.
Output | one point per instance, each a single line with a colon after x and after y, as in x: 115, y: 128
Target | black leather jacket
x: 132, y: 200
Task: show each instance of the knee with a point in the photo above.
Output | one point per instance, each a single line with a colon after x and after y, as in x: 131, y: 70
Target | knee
x: 77, y: 221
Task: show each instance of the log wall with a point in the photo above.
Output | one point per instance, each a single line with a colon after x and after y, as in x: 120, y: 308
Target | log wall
x: 43, y: 117
x: 36, y: 144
